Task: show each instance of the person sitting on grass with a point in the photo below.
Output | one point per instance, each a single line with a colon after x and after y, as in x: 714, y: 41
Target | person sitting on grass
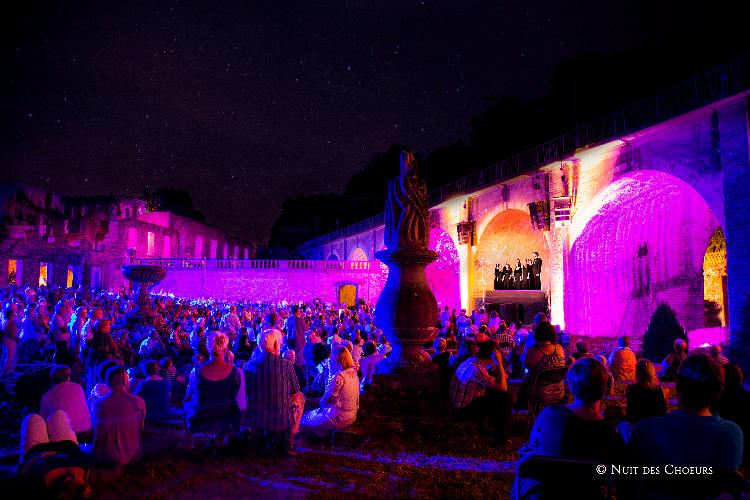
x: 270, y: 385
x: 475, y: 393
x: 155, y: 392
x: 339, y: 404
x: 68, y: 397
x: 118, y: 421
x: 622, y: 361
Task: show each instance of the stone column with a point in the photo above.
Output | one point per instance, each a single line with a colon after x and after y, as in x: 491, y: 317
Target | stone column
x: 735, y: 160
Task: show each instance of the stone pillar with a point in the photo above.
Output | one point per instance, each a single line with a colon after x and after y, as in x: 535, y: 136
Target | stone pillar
x: 558, y: 256
x: 735, y: 161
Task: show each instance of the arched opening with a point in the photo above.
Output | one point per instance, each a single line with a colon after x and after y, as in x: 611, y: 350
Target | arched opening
x: 347, y: 293
x: 358, y: 254
x: 509, y: 236
x: 639, y: 242
x: 333, y: 256
x: 715, y: 281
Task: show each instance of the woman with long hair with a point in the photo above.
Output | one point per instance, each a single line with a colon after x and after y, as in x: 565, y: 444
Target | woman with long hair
x: 339, y: 404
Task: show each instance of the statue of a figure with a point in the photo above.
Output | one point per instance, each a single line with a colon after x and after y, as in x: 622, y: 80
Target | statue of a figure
x: 407, y: 223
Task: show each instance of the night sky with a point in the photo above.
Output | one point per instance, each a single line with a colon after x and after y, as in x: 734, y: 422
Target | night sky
x: 245, y: 105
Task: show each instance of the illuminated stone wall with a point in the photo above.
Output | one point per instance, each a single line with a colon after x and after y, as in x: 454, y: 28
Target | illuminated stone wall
x: 644, y: 208
x: 269, y: 285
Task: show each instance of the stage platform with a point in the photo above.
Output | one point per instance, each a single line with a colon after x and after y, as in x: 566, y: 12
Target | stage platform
x: 515, y: 305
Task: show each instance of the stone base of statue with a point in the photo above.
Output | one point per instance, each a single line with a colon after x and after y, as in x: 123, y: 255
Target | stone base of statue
x: 406, y: 312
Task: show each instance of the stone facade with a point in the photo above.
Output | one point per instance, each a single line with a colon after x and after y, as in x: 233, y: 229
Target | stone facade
x: 90, y: 238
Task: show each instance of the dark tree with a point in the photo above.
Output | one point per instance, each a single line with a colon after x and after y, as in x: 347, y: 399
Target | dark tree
x: 176, y: 201
x: 663, y: 330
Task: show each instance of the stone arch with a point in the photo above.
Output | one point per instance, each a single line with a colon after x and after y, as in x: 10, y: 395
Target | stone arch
x: 715, y: 280
x: 639, y: 242
x: 333, y: 256
x: 509, y: 236
x: 358, y: 254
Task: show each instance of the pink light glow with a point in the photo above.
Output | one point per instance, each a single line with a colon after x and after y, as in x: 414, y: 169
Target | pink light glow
x: 640, y: 241
x: 443, y: 274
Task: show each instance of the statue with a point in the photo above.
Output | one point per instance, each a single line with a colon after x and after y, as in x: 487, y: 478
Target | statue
x: 407, y: 309
x: 407, y: 223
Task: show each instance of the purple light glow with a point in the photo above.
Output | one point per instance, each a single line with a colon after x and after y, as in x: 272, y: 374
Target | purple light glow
x: 641, y: 241
x: 443, y: 274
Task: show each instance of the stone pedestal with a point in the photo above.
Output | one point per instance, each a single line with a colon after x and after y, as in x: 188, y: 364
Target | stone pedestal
x: 406, y: 312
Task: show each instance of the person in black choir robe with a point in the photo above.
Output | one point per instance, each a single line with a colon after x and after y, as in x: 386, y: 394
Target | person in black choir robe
x: 509, y: 281
x: 527, y: 274
x: 497, y: 277
x: 537, y: 270
x: 518, y: 275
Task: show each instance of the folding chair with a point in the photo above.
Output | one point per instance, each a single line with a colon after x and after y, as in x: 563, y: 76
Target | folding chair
x: 543, y: 378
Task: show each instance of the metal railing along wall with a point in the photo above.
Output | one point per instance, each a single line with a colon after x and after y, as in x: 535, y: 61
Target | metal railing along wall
x: 718, y: 83
x: 281, y: 265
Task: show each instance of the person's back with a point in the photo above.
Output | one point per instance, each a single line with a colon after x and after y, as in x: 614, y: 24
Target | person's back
x: 216, y: 395
x: 685, y: 439
x: 70, y: 398
x: 644, y: 402
x: 118, y: 419
x: 622, y: 361
x: 563, y: 434
x: 155, y: 394
x: 691, y: 436
x: 269, y: 383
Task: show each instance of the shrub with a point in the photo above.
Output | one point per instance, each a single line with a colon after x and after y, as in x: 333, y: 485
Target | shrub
x: 663, y: 330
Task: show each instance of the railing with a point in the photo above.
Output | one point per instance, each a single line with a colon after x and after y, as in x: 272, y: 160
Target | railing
x: 718, y: 83
x: 294, y: 265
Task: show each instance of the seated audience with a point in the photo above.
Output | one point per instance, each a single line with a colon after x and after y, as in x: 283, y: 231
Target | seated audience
x: 622, y: 361
x: 441, y: 357
x: 734, y: 403
x: 368, y: 363
x: 339, y: 404
x: 582, y: 351
x: 645, y: 398
x: 671, y: 363
x: 101, y: 389
x: 690, y: 436
x: 467, y: 349
x: 118, y: 420
x: 577, y: 430
x: 167, y: 370
x: 68, y: 397
x: 506, y: 342
x: 155, y: 392
x: 211, y: 397
x: 544, y: 355
x: 718, y: 356
x: 475, y: 393
x: 270, y: 385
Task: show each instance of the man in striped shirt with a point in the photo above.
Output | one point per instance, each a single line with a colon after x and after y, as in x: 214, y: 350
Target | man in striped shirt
x: 270, y: 383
